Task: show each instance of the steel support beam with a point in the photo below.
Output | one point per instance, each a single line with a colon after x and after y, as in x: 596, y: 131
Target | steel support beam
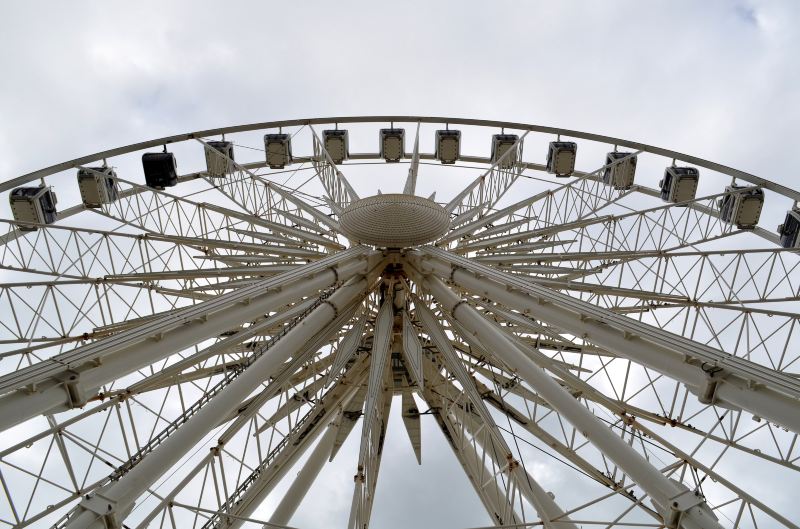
x: 302, y: 204
x: 70, y: 379
x: 693, y: 514
x: 716, y: 377
x: 347, y: 348
x: 545, y: 506
x: 275, y: 463
x: 411, y: 181
x: 441, y: 396
x: 376, y: 409
x: 299, y: 487
x: 492, y: 496
x: 487, y: 189
x: 322, y: 413
x: 710, y: 472
x: 337, y: 188
x: 171, y: 374
x: 110, y: 506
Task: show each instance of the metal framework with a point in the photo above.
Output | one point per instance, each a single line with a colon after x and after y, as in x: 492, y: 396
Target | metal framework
x: 171, y: 357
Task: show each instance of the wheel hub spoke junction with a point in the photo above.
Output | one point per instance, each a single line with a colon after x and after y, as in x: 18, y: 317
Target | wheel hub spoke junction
x: 394, y: 221
x: 586, y: 347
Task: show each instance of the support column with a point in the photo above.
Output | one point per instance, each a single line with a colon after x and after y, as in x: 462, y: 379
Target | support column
x: 109, y: 507
x: 69, y: 380
x: 692, y: 512
x: 297, y: 491
x: 739, y: 384
x: 376, y: 415
x: 300, y: 441
x: 545, y: 506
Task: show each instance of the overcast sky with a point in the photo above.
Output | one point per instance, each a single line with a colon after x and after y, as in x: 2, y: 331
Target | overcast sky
x: 718, y: 79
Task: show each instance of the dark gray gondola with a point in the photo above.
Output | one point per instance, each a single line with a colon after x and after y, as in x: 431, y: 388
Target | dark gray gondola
x: 160, y: 169
x: 789, y: 231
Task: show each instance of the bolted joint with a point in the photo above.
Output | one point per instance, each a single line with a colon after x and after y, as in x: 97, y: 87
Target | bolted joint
x: 453, y: 270
x: 512, y: 463
x: 708, y: 394
x: 714, y: 375
x: 76, y: 395
x: 335, y: 274
x: 333, y: 306
x: 679, y: 505
x: 360, y: 477
x: 676, y: 508
x: 107, y: 509
x: 453, y: 309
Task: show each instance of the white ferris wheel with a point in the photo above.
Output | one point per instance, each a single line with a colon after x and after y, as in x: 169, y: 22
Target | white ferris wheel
x: 177, y: 345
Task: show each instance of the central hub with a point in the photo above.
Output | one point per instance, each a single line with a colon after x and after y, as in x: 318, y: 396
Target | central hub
x: 394, y: 221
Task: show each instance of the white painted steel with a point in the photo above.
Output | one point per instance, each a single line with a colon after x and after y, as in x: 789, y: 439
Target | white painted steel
x: 394, y: 221
x: 548, y: 509
x: 302, y: 482
x: 141, y: 347
x: 120, y: 495
x: 633, y: 463
x: 561, y: 288
x: 775, y: 396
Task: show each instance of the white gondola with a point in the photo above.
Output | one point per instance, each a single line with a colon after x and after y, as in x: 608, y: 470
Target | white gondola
x: 501, y: 143
x: 219, y: 158
x: 279, y: 150
x: 392, y: 144
x: 336, y: 143
x: 36, y: 205
x: 621, y: 174
x: 561, y: 158
x: 742, y: 205
x: 448, y: 146
x: 679, y: 184
x: 97, y: 186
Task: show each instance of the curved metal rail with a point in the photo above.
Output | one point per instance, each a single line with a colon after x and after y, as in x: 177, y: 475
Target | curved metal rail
x: 83, y: 160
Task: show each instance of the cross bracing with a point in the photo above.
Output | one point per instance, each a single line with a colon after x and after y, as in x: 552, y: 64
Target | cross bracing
x: 176, y: 356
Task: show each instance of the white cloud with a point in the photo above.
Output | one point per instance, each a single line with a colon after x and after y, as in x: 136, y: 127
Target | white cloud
x: 717, y: 79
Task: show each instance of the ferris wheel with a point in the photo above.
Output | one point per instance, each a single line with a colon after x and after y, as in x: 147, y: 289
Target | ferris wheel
x: 179, y: 346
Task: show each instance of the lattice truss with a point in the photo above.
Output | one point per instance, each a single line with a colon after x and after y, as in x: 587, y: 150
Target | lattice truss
x: 173, y: 357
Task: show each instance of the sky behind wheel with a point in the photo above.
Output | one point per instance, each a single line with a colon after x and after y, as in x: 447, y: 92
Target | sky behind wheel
x: 717, y: 80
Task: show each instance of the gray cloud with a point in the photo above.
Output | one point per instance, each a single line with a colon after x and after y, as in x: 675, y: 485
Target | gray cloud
x: 716, y: 79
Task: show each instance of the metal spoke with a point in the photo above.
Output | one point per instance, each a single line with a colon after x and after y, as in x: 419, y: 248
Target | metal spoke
x: 592, y: 353
x: 486, y: 190
x: 338, y: 189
